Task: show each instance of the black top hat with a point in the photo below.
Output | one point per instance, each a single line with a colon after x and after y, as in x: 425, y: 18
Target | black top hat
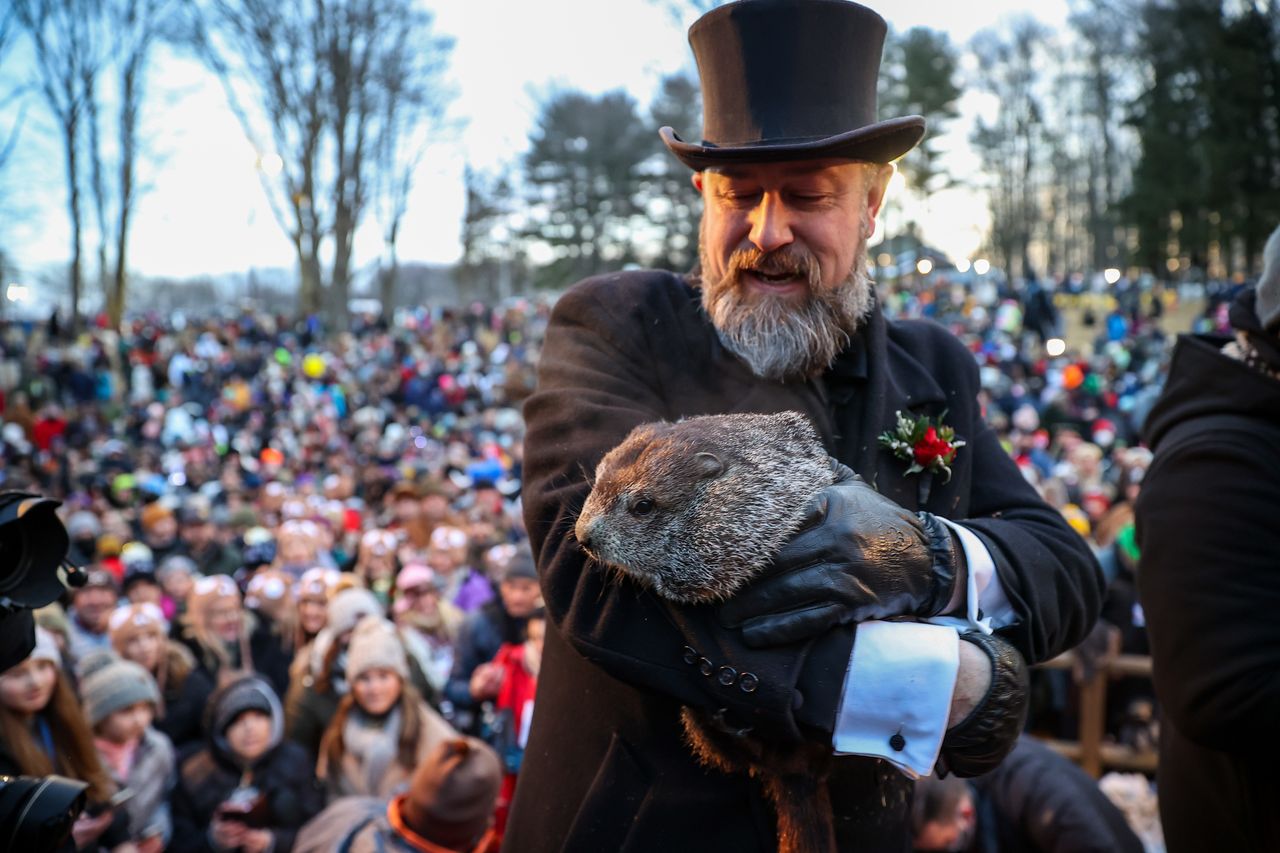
x: 791, y: 80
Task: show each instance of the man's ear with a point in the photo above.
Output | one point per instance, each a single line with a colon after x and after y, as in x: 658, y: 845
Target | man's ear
x: 696, y: 178
x: 878, y: 178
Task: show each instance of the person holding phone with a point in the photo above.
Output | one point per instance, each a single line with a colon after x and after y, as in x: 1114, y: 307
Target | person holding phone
x: 120, y: 700
x: 248, y: 789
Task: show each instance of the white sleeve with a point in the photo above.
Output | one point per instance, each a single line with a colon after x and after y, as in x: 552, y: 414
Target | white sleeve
x: 987, y: 605
x: 896, y: 698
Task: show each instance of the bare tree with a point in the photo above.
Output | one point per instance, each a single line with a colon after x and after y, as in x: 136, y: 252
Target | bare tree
x: 310, y: 81
x: 66, y: 55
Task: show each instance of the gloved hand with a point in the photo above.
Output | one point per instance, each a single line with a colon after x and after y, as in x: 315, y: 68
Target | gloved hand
x: 858, y: 556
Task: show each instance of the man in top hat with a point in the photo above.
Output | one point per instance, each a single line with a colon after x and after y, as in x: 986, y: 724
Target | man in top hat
x: 782, y: 316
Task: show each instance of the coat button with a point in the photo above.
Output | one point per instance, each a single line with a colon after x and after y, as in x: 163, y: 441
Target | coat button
x: 748, y: 683
x: 690, y: 655
x: 897, y: 743
x: 726, y: 676
x: 706, y: 667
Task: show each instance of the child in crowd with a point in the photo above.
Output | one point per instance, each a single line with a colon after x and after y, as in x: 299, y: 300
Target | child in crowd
x: 383, y: 728
x: 248, y: 790
x: 139, y: 633
x: 120, y: 700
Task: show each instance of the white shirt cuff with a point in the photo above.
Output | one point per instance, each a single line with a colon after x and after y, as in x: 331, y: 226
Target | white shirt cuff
x: 987, y: 606
x: 896, y: 698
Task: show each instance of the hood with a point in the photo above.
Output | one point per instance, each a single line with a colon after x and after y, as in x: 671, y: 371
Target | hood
x: 251, y: 693
x: 1204, y: 381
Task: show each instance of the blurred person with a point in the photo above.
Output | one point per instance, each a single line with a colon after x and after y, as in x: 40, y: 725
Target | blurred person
x: 474, y: 678
x: 376, y: 563
x: 83, y: 528
x: 382, y: 728
x: 461, y: 585
x: 120, y: 701
x: 43, y: 730
x: 90, y: 611
x: 140, y: 584
x: 269, y: 597
x: 177, y: 574
x: 259, y: 550
x: 248, y: 789
x: 513, y: 706
x: 200, y: 541
x: 313, y: 698
x: 428, y: 623
x: 140, y: 634
x: 298, y: 547
x: 227, y: 641
x: 1036, y: 801
x: 311, y: 594
x: 448, y: 808
x: 159, y: 530
x: 1207, y: 578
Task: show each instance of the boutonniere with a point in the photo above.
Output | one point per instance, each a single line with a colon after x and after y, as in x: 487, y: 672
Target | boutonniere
x: 927, y: 443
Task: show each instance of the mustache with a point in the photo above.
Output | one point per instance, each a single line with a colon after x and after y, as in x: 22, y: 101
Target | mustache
x: 787, y: 261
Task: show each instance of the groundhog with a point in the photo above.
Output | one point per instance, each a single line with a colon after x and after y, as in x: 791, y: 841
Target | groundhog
x: 694, y: 511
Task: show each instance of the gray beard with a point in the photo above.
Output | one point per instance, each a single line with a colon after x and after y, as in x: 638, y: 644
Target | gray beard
x: 778, y: 340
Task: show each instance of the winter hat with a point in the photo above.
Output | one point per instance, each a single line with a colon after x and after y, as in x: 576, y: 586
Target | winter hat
x: 208, y: 591
x: 451, y: 799
x: 114, y: 687
x: 414, y: 575
x: 521, y: 567
x: 318, y: 582
x: 1268, y: 300
x: 375, y: 645
x: 153, y: 514
x: 134, y: 619
x: 46, y: 648
x: 251, y: 693
x: 83, y: 525
x: 177, y: 563
x: 347, y: 607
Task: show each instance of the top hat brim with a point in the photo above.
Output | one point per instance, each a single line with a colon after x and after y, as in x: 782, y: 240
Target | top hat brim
x: 882, y: 142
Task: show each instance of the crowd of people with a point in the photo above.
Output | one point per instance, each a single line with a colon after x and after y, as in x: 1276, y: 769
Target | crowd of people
x: 309, y: 587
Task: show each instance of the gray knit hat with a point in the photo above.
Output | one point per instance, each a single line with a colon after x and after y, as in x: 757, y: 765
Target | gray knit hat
x: 1268, y: 304
x: 375, y: 645
x: 349, y: 606
x: 114, y: 687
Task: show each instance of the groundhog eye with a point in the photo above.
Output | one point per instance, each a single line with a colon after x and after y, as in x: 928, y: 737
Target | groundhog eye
x: 644, y: 506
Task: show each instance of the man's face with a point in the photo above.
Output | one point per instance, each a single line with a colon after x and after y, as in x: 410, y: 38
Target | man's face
x: 162, y: 532
x: 783, y: 248
x: 520, y: 596
x: 93, y: 608
x: 198, y: 534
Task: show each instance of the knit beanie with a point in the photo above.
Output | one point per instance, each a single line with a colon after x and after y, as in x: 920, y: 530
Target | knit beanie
x: 347, y: 607
x: 451, y: 799
x: 206, y: 593
x: 46, y: 648
x: 1268, y: 304
x: 250, y: 693
x: 375, y: 645
x: 114, y: 687
x: 153, y: 513
x: 131, y: 620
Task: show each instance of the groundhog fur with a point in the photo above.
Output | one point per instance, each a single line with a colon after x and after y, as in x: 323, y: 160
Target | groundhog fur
x: 695, y: 510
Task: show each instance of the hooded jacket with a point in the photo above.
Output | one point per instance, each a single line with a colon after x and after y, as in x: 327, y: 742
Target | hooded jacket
x: 1209, y: 582
x: 282, y: 776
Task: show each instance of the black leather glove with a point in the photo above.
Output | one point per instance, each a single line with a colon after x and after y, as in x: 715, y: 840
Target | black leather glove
x: 980, y: 741
x: 858, y: 556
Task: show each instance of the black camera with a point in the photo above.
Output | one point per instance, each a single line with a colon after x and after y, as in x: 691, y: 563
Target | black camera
x: 35, y: 814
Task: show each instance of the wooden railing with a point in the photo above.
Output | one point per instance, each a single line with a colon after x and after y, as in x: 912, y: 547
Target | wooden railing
x: 1090, y: 751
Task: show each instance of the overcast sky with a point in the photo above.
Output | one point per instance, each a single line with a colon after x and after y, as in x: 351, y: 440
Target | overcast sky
x: 204, y: 212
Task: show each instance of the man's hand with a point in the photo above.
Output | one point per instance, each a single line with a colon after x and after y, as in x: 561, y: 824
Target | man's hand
x: 858, y: 556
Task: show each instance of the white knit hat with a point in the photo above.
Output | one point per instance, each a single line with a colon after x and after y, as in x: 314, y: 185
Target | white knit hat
x: 375, y: 645
x: 46, y: 648
x: 347, y: 607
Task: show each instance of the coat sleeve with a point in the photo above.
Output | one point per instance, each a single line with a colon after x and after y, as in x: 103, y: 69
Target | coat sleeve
x: 594, y: 386
x: 1210, y: 589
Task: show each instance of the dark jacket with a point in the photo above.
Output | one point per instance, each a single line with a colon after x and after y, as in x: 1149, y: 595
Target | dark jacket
x: 1036, y: 801
x: 184, y: 699
x: 626, y: 349
x: 1209, y: 581
x: 284, y: 776
x: 482, y: 634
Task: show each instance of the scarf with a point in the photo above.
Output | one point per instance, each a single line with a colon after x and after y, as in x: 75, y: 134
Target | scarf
x: 117, y: 756
x: 374, y: 743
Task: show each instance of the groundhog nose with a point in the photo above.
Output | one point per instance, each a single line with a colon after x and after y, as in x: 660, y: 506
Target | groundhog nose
x: 583, y: 530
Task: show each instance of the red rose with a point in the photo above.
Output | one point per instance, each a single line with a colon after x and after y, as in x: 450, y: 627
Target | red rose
x: 932, y: 448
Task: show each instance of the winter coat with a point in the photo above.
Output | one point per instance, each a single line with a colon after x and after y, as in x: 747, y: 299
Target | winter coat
x: 1036, y: 800
x: 151, y: 779
x: 482, y: 635
x: 1209, y: 582
x: 184, y: 699
x: 619, y: 663
x: 376, y: 771
x: 360, y: 825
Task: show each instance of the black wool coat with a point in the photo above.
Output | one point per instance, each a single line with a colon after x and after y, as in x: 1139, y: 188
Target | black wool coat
x: 1209, y: 582
x: 606, y: 767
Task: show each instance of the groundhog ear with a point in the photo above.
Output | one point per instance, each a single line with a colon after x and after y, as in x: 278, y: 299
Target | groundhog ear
x: 709, y: 465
